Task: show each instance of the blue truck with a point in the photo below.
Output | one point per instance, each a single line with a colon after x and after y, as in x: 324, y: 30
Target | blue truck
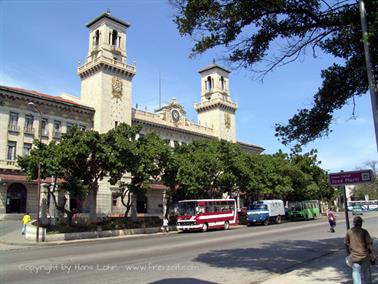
x: 265, y: 212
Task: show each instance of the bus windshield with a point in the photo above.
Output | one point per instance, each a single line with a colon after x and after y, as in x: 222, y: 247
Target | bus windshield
x: 295, y: 206
x: 187, y: 208
x: 258, y: 207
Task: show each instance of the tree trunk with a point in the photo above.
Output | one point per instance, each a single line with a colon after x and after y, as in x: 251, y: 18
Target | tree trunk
x: 92, y: 199
x: 128, y: 203
x: 133, y: 209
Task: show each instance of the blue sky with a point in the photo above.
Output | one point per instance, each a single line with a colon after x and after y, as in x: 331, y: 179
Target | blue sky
x: 41, y: 43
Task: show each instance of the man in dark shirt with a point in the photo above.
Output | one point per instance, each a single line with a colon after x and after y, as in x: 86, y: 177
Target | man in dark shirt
x: 359, y: 245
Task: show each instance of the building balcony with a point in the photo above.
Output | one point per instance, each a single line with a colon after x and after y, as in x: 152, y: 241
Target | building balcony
x: 215, y: 103
x: 103, y: 61
x: 45, y: 133
x: 14, y: 128
x: 29, y: 130
x: 57, y: 134
x: 9, y: 164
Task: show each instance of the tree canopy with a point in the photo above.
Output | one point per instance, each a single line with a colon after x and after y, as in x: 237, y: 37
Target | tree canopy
x: 209, y: 169
x: 249, y: 29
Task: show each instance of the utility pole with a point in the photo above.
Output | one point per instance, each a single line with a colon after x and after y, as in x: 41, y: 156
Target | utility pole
x: 39, y: 170
x: 372, y: 84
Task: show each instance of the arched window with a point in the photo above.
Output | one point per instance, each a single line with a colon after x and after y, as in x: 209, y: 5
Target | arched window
x: 97, y: 37
x: 222, y: 83
x: 209, y: 83
x: 114, y: 37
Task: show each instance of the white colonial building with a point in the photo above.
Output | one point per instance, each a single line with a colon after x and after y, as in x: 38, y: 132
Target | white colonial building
x: 105, y: 101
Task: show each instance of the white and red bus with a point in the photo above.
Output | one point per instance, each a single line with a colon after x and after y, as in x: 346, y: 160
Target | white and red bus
x: 204, y: 214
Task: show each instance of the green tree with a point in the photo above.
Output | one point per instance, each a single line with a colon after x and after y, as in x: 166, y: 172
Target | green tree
x: 199, y: 171
x: 308, y: 179
x: 143, y: 160
x: 80, y: 160
x: 371, y: 189
x: 248, y: 30
x: 86, y: 157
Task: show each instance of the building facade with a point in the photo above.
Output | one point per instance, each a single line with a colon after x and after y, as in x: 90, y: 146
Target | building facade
x: 105, y: 101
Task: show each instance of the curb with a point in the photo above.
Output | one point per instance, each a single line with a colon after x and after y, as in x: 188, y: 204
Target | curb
x: 54, y: 243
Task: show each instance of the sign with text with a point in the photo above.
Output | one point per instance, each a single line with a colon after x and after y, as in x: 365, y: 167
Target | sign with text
x: 344, y: 178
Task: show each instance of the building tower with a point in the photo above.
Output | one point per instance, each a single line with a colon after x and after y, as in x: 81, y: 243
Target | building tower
x: 216, y: 109
x: 106, y: 78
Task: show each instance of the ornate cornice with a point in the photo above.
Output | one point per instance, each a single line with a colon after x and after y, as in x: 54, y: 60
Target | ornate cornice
x: 103, y: 63
x: 216, y: 104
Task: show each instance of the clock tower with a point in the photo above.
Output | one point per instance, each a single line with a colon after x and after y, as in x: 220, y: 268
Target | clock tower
x: 216, y: 109
x: 106, y: 77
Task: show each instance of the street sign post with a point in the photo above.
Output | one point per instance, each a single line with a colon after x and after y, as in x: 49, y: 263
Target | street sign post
x: 345, y: 178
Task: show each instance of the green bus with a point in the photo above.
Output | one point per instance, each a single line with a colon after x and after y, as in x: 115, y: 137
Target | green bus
x: 303, y: 210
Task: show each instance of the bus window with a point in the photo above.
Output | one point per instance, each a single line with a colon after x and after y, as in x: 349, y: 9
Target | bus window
x: 187, y: 208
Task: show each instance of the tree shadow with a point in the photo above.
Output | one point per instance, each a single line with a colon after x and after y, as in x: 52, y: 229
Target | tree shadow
x: 284, y: 256
x: 181, y: 281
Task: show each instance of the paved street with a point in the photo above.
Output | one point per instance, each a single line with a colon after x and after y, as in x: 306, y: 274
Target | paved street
x: 244, y: 255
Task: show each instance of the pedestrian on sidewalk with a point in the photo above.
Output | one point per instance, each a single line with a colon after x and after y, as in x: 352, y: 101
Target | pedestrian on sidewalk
x: 25, y: 220
x: 331, y: 219
x: 165, y: 227
x: 359, y: 246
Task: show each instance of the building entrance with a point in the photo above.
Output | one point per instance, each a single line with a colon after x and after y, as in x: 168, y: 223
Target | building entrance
x: 16, y: 198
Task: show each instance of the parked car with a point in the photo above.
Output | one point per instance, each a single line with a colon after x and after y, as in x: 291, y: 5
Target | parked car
x: 357, y: 210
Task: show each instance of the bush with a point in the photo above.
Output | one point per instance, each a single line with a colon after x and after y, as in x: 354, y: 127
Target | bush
x: 110, y: 223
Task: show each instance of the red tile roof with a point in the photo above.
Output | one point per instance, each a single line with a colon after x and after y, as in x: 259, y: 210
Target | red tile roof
x: 22, y: 178
x: 40, y: 95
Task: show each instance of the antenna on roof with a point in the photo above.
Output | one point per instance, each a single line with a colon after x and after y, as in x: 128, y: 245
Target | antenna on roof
x: 159, y: 90
x: 213, y: 60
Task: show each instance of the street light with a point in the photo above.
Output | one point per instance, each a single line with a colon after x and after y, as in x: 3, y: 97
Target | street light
x: 39, y: 168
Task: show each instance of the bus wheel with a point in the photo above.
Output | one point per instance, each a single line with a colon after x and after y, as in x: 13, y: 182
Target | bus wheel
x: 226, y: 225
x: 266, y: 222
x: 278, y: 219
x: 204, y: 227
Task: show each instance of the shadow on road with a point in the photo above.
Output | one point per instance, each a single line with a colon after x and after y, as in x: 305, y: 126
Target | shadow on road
x: 282, y: 257
x: 181, y: 281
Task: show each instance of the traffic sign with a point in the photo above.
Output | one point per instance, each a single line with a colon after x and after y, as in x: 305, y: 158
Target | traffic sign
x: 344, y: 178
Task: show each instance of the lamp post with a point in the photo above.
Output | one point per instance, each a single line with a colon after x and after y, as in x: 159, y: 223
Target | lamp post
x: 39, y: 168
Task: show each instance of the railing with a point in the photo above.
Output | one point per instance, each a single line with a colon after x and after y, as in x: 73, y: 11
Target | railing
x: 45, y: 133
x: 115, y: 63
x: 155, y: 118
x: 14, y: 127
x: 8, y: 164
x: 29, y: 130
x: 57, y: 134
x: 215, y: 101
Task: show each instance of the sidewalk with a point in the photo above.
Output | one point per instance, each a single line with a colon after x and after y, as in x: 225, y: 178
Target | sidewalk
x: 328, y: 269
x: 10, y: 233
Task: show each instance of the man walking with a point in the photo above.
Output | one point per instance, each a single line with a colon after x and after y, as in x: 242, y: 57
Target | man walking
x: 359, y: 245
x: 331, y: 220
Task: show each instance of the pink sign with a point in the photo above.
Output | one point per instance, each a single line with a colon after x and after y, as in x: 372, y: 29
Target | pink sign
x: 344, y: 178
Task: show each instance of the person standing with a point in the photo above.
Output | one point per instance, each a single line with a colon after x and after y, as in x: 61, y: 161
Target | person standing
x: 359, y: 246
x: 165, y: 227
x: 25, y: 220
x: 331, y: 220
